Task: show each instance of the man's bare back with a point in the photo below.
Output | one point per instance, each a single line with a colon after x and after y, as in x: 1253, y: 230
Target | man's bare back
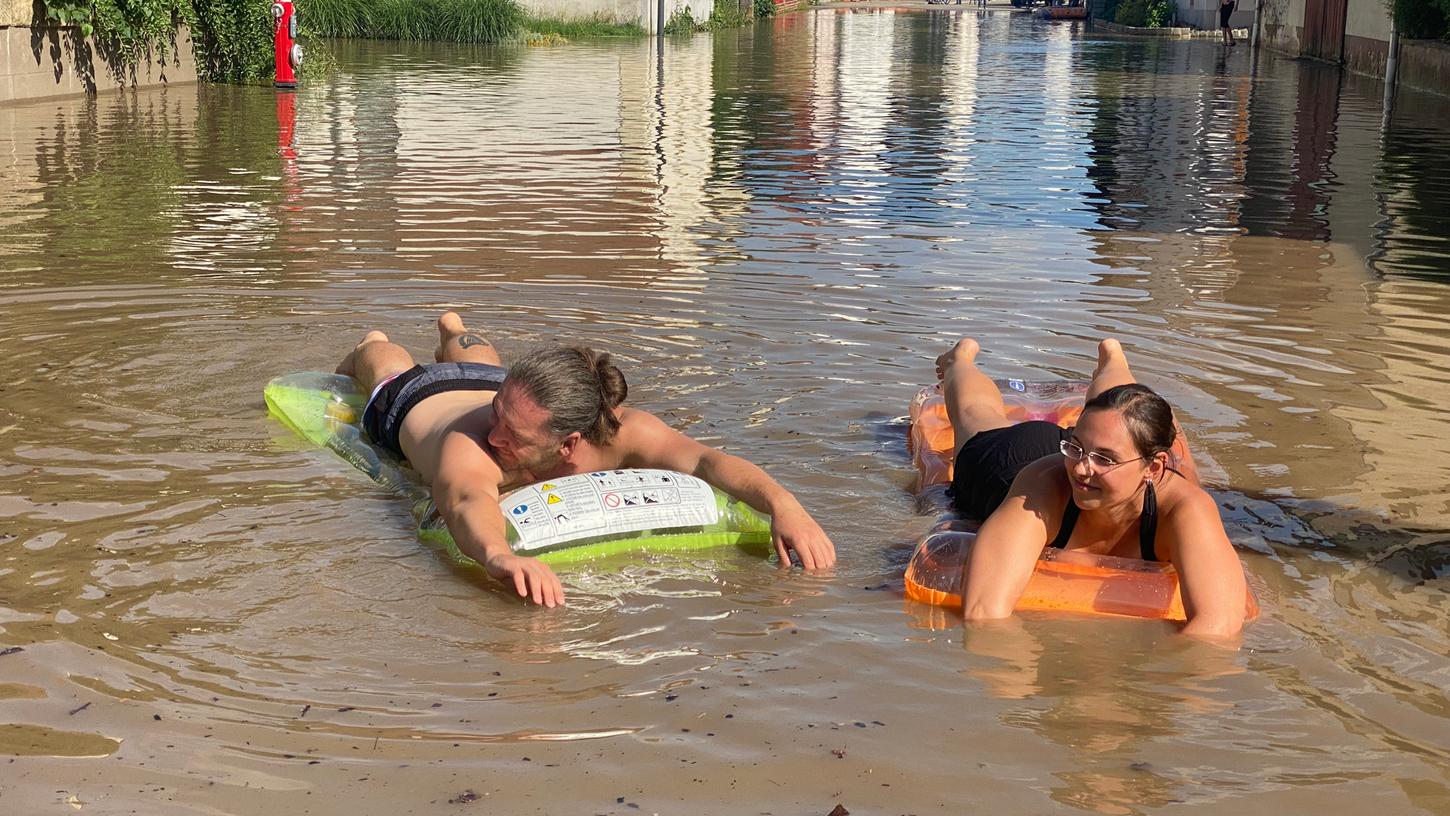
x: 428, y: 424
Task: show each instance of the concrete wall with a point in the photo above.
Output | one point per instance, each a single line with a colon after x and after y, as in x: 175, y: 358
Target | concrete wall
x: 1282, y: 23
x: 57, y: 61
x: 619, y: 11
x: 17, y: 12
x: 1203, y: 14
x: 1425, y: 64
x: 1367, y: 18
x: 1366, y: 37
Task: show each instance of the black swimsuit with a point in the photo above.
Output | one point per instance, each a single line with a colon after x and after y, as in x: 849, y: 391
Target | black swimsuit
x: 1147, y: 525
x: 383, y: 417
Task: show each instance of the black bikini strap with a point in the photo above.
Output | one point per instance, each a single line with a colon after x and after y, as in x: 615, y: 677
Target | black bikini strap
x: 1069, y: 521
x: 1148, y: 524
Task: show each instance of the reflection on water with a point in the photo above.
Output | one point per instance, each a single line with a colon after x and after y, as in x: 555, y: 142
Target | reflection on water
x: 775, y: 235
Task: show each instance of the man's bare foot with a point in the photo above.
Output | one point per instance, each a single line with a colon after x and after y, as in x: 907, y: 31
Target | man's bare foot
x: 348, y: 366
x: 965, y: 350
x: 458, y: 344
x: 450, y: 326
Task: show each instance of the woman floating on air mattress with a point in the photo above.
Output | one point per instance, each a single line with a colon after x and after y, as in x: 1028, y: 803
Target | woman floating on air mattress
x: 1118, y: 488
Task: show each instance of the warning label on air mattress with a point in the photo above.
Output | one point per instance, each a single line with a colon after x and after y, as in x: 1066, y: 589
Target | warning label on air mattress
x: 606, y: 503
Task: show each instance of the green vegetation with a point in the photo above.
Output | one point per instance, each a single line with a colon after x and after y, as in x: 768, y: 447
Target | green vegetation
x: 445, y: 20
x: 453, y: 21
x: 231, y: 39
x: 1160, y: 14
x: 583, y: 27
x: 1144, y: 13
x: 1427, y: 19
x: 682, y: 22
x: 725, y: 14
x: 128, y: 27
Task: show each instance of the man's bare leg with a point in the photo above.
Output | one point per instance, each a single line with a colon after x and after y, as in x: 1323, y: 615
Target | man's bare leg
x: 457, y: 344
x: 974, y: 404
x: 374, y: 359
x: 1113, y: 371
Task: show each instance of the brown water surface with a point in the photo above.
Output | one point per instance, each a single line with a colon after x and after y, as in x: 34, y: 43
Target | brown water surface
x: 775, y: 237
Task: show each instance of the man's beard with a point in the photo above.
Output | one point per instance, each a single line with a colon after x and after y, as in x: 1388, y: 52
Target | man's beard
x: 543, y: 466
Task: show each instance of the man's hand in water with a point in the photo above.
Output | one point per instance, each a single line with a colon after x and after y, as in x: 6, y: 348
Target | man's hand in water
x: 794, y: 529
x: 531, y: 577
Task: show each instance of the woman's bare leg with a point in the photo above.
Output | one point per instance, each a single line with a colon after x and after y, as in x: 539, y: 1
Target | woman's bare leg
x: 1113, y: 371
x: 374, y: 359
x: 457, y: 344
x: 974, y: 404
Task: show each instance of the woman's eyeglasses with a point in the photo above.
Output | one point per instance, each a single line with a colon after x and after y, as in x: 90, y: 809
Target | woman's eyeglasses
x: 1098, y: 461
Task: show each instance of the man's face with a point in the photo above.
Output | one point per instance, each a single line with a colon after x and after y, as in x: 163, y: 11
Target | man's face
x: 520, y: 437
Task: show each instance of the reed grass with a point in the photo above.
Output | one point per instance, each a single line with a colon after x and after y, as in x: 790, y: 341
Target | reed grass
x: 443, y: 20
x: 483, y: 21
x: 583, y: 27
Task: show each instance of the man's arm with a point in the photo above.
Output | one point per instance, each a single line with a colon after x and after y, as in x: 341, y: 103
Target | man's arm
x: 465, y: 490
x: 645, y: 441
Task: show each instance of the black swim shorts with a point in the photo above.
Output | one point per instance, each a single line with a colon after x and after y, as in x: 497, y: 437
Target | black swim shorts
x: 383, y: 418
x: 990, y: 460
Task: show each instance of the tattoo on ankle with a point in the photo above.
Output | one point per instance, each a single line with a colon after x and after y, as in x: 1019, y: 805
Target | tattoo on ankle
x: 471, y: 340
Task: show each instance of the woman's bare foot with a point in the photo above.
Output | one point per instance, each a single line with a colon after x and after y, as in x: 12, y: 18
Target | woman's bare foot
x: 1112, y: 368
x: 973, y: 402
x: 965, y: 350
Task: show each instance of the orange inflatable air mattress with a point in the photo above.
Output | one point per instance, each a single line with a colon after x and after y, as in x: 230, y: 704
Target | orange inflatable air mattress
x: 1064, y: 581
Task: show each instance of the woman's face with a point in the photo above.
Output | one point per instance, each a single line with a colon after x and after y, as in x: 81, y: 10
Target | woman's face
x: 1103, y: 436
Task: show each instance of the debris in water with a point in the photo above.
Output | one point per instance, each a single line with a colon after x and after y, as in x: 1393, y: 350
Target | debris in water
x: 839, y: 810
x: 464, y: 798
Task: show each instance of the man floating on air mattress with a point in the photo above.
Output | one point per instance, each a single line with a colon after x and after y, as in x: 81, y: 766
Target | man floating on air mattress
x: 472, y: 429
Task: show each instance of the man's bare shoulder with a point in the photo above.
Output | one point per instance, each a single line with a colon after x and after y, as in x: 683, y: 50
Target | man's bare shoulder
x: 644, y: 440
x: 464, y: 458
x: 638, y: 427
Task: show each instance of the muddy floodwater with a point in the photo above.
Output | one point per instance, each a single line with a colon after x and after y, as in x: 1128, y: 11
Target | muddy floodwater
x: 201, y: 614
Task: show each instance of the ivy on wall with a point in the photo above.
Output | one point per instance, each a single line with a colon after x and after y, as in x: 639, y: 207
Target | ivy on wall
x: 231, y: 39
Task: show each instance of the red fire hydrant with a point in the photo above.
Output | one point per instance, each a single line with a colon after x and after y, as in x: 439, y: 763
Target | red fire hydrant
x: 284, y: 41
